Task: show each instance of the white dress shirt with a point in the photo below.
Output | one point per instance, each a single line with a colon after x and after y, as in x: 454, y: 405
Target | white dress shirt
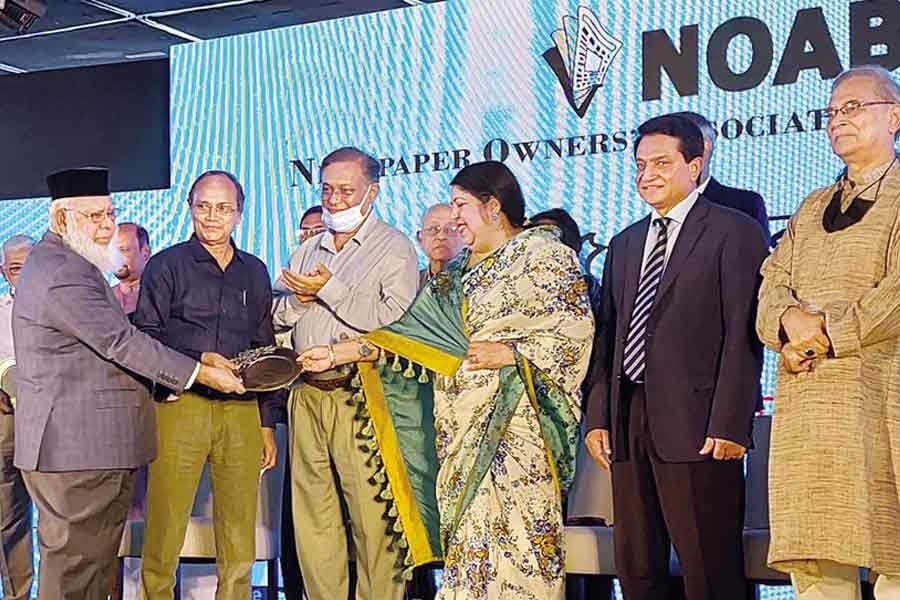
x: 676, y: 218
x: 702, y: 187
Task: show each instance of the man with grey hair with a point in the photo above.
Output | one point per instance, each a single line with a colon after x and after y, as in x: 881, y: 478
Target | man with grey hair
x: 16, y: 555
x: 746, y: 201
x: 830, y: 305
x: 356, y: 277
x: 84, y: 419
x: 439, y: 239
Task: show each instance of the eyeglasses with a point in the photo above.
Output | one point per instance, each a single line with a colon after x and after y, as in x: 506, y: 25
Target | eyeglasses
x: 308, y: 232
x: 96, y: 216
x: 448, y: 230
x: 344, y: 192
x: 205, y: 208
x: 852, y: 107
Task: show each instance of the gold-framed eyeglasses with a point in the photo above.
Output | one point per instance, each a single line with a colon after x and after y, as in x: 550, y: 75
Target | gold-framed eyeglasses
x: 852, y: 107
x: 96, y: 217
x: 211, y: 210
x: 448, y: 230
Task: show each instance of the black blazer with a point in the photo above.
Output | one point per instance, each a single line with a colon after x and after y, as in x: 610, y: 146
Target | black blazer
x: 703, y: 358
x: 749, y: 203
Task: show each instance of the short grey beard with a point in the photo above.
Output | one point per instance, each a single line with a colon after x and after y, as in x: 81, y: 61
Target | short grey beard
x: 106, y: 258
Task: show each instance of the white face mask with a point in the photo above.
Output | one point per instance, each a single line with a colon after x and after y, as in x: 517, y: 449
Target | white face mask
x: 344, y: 221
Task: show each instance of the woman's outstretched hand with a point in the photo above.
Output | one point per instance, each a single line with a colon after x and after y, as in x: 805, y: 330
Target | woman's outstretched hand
x: 316, y: 359
x: 489, y: 355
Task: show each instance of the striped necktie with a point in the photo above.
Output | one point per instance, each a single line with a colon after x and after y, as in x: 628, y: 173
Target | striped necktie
x: 635, y: 343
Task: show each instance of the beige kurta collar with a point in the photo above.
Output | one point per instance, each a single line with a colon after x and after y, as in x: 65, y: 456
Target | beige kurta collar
x: 862, y: 185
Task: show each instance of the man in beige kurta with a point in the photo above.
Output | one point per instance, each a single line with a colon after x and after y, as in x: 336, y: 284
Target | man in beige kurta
x: 357, y: 276
x: 830, y: 305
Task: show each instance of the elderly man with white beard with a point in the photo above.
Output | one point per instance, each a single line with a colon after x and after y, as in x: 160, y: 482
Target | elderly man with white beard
x: 85, y: 419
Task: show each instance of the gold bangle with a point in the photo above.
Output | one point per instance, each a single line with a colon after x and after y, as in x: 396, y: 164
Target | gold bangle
x: 331, y: 356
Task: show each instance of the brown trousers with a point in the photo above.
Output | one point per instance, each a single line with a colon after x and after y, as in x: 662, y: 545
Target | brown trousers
x: 16, y: 552
x: 81, y: 515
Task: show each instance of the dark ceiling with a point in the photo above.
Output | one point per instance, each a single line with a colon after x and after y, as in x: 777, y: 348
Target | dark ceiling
x: 77, y: 33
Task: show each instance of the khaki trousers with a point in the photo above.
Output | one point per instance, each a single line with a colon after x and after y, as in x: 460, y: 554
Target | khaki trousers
x: 16, y: 553
x: 192, y: 431
x: 323, y: 431
x: 840, y: 582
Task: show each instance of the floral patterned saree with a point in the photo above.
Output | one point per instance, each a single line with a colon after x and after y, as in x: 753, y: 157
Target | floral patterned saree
x: 474, y: 462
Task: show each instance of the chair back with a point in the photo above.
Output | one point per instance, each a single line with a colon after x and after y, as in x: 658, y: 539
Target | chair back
x: 756, y: 508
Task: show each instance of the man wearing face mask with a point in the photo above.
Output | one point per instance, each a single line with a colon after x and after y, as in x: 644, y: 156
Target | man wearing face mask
x: 356, y: 277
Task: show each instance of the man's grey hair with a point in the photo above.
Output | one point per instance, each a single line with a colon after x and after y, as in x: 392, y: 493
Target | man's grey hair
x: 434, y: 206
x: 16, y: 242
x: 886, y: 87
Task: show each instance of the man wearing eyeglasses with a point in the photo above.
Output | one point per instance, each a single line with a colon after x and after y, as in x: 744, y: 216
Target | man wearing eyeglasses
x: 16, y: 553
x: 84, y: 419
x: 356, y: 277
x: 830, y: 305
x: 310, y: 224
x: 439, y: 239
x: 208, y: 299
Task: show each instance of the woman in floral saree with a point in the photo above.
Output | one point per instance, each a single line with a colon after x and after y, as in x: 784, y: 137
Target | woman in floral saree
x: 502, y: 340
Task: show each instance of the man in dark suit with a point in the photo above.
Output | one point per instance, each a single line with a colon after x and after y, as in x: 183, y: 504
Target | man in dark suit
x: 675, y: 375
x: 84, y: 417
x: 745, y: 201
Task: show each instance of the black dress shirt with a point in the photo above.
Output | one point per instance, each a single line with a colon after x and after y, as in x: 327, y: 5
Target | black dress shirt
x: 190, y: 304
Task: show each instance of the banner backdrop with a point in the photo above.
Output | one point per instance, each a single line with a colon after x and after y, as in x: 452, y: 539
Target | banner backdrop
x: 555, y: 88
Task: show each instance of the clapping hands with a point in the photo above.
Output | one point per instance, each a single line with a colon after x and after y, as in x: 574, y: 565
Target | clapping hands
x: 307, y: 285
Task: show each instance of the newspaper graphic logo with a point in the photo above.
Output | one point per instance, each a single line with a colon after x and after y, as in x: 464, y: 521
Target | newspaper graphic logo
x: 582, y: 54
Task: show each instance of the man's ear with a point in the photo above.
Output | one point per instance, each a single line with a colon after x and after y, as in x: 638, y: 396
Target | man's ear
x: 369, y: 200
x: 58, y: 220
x: 895, y: 120
x: 696, y: 167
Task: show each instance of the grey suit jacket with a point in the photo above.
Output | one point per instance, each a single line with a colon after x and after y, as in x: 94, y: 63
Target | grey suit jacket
x: 81, y: 403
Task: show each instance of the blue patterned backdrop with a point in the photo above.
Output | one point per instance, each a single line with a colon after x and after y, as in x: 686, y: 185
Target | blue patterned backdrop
x: 452, y: 77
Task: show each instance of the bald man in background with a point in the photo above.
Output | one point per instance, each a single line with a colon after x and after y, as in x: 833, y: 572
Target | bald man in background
x: 133, y: 243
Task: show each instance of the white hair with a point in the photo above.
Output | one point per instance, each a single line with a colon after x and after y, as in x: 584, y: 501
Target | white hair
x: 16, y: 242
x: 886, y: 87
x: 107, y: 258
x: 55, y: 207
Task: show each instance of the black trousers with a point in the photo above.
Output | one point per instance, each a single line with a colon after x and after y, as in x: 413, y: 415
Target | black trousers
x: 698, y: 507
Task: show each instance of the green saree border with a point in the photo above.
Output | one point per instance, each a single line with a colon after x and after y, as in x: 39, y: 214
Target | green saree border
x: 430, y: 357
x: 414, y: 529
